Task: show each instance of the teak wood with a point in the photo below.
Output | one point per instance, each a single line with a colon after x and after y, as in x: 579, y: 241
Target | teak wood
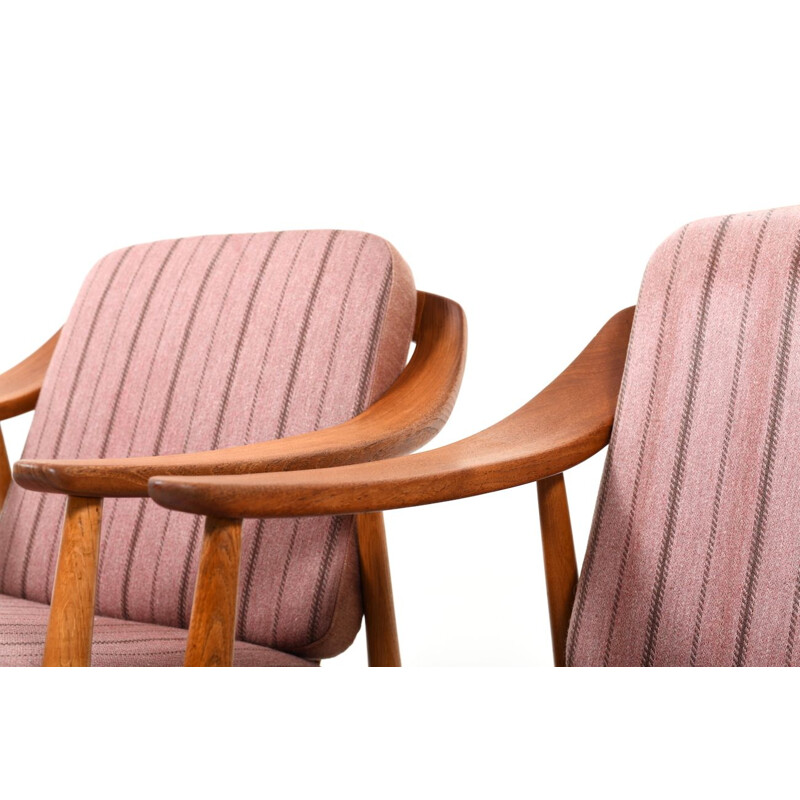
x: 409, y: 414
x: 383, y: 645
x: 560, y: 565
x: 19, y: 391
x: 212, y: 629
x: 563, y: 425
x: 69, y: 630
x: 566, y: 423
x: 20, y: 386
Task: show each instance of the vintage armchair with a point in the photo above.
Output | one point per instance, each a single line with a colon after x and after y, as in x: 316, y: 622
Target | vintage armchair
x: 232, y: 354
x: 694, y: 553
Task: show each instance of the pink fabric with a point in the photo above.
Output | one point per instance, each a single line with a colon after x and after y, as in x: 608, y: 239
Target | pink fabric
x: 117, y: 643
x: 203, y: 343
x: 694, y: 556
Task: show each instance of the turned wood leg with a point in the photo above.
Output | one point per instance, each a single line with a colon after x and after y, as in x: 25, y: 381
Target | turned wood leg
x: 560, y: 567
x: 212, y: 628
x: 383, y: 647
x: 69, y: 629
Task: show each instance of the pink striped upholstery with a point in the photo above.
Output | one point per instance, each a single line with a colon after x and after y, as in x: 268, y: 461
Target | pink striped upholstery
x: 694, y: 557
x: 117, y: 643
x: 203, y: 343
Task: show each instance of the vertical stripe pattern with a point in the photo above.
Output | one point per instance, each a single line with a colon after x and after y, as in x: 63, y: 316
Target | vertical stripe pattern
x: 694, y: 554
x: 723, y: 458
x: 204, y: 343
x: 642, y: 450
x: 771, y: 442
x: 679, y: 466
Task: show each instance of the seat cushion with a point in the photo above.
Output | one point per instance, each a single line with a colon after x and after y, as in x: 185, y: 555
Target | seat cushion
x: 694, y: 555
x: 202, y: 343
x: 117, y: 643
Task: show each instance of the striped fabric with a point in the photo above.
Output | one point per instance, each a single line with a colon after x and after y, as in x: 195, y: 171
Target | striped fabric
x: 203, y: 343
x: 117, y: 643
x: 694, y: 556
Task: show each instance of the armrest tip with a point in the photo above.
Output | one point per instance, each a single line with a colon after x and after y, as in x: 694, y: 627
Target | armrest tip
x: 38, y: 476
x: 177, y: 494
x: 82, y: 478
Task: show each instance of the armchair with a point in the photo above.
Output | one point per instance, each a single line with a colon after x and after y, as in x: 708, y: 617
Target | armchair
x: 204, y: 356
x: 694, y: 553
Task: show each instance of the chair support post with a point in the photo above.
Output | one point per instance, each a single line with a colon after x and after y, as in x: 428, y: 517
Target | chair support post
x: 383, y: 646
x: 212, y: 628
x: 69, y: 630
x: 560, y: 566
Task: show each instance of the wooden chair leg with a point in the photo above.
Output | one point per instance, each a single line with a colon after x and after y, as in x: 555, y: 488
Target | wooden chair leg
x: 69, y: 630
x: 383, y: 646
x: 212, y: 628
x: 560, y: 566
x: 5, y: 470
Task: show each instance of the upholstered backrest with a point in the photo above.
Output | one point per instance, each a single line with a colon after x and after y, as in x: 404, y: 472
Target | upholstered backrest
x: 203, y: 343
x: 694, y: 556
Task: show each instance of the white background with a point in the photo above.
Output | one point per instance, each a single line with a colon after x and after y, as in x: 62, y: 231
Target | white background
x: 526, y: 159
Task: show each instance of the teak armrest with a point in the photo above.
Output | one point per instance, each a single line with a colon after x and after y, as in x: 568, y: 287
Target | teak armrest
x: 563, y: 425
x: 20, y: 385
x: 411, y: 412
x: 19, y: 391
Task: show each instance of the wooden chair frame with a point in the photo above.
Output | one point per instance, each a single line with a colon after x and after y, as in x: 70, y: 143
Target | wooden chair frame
x: 566, y: 423
x: 410, y: 413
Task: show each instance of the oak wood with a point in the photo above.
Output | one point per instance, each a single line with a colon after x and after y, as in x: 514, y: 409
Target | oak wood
x: 560, y: 566
x: 212, y: 629
x: 69, y: 630
x: 5, y: 470
x: 563, y: 425
x: 383, y: 646
x: 411, y: 413
x: 20, y: 386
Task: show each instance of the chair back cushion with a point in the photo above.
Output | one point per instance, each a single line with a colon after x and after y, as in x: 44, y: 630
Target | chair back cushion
x: 694, y: 555
x: 203, y: 343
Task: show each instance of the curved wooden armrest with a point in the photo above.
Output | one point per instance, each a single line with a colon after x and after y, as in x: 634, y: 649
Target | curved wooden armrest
x: 411, y: 412
x: 20, y: 386
x: 566, y: 423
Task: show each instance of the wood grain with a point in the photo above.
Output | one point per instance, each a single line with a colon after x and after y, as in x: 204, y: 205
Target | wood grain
x: 212, y: 629
x: 383, y: 646
x: 563, y: 425
x: 411, y: 413
x: 560, y: 566
x: 69, y: 630
x: 20, y: 386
